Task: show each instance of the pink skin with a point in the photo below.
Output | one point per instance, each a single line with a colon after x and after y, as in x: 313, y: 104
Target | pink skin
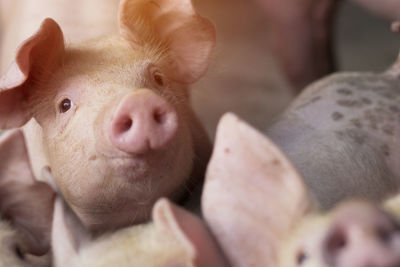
x: 143, y: 123
x: 112, y: 115
x: 362, y: 235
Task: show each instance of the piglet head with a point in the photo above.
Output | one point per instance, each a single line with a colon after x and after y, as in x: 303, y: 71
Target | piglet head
x: 355, y: 234
x: 175, y: 237
x: 114, y: 114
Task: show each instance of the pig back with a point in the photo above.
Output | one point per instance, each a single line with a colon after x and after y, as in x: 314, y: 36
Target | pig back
x: 341, y: 135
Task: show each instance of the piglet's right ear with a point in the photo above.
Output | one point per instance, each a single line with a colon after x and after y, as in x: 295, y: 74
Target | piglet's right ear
x: 190, y: 232
x: 36, y: 57
x: 252, y: 196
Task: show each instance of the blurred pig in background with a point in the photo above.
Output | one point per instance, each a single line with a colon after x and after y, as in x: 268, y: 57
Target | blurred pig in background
x: 258, y: 208
x: 26, y: 207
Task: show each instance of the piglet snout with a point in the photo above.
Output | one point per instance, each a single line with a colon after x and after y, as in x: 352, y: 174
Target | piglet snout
x: 143, y: 121
x: 362, y: 242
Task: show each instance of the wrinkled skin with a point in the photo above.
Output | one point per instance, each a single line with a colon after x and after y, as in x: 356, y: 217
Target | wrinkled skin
x: 110, y: 159
x: 341, y: 135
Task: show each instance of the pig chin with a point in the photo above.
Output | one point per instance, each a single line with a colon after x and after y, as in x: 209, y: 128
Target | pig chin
x: 123, y: 188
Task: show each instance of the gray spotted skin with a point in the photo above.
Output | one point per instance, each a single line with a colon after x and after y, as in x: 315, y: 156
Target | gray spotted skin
x: 343, y: 135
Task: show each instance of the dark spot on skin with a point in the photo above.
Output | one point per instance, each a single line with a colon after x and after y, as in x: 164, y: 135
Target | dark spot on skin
x: 394, y: 109
x: 385, y: 150
x: 387, y: 95
x: 374, y: 126
x: 357, y: 123
x: 349, y: 103
x: 353, y: 134
x: 227, y: 150
x: 366, y: 101
x: 344, y: 91
x: 388, y: 129
x: 275, y: 162
x: 337, y: 116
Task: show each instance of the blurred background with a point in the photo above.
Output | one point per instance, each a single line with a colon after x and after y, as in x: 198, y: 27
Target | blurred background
x: 247, y: 77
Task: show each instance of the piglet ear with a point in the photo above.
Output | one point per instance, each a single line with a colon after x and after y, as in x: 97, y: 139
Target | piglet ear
x: 190, y: 232
x: 68, y: 234
x: 174, y: 27
x: 252, y: 195
x: 25, y: 202
x: 36, y: 57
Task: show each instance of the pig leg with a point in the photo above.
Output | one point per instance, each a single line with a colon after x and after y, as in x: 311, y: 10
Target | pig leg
x: 300, y: 36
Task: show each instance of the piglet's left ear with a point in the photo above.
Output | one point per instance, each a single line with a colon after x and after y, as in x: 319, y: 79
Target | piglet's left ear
x: 173, y: 27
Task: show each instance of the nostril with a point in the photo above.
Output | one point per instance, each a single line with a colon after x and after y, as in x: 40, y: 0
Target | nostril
x: 159, y: 116
x: 127, y: 124
x: 123, y: 125
x: 384, y: 235
x: 337, y: 240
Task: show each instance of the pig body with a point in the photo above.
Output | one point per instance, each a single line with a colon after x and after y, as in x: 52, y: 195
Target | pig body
x: 341, y: 133
x: 111, y: 113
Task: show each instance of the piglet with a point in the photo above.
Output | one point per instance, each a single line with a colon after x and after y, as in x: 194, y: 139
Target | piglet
x: 175, y: 237
x: 111, y: 116
x: 26, y: 207
x: 341, y: 134
x: 258, y: 208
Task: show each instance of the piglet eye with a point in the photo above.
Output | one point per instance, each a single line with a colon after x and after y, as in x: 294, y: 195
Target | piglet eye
x: 65, y: 105
x: 159, y: 79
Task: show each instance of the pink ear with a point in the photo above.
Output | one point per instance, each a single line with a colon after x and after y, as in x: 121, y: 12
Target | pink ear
x: 252, y: 195
x: 172, y: 26
x: 190, y: 231
x: 36, y: 57
x: 25, y: 202
x: 68, y: 234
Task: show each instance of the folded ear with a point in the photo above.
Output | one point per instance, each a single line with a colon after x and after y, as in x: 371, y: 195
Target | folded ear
x: 68, y: 234
x: 174, y: 27
x: 36, y: 57
x: 25, y: 202
x: 190, y: 232
x: 252, y: 195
